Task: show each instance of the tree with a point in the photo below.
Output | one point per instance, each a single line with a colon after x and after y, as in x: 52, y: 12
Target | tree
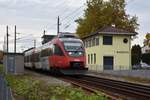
x: 146, y: 54
x: 147, y: 40
x: 1, y: 55
x: 100, y: 13
x: 136, y: 54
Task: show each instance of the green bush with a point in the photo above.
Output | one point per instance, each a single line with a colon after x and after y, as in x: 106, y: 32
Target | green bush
x: 26, y: 88
x: 136, y: 54
x: 73, y: 94
x: 135, y: 59
x: 146, y: 58
x: 1, y: 69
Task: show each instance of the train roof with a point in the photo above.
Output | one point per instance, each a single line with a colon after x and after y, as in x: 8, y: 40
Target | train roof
x: 67, y: 35
x: 30, y: 49
x: 62, y: 36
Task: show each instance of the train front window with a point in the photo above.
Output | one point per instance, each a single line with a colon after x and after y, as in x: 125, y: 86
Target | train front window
x: 74, y: 48
x: 58, y: 51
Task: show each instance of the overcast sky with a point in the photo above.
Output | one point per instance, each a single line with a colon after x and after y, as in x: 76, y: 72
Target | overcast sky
x: 33, y: 16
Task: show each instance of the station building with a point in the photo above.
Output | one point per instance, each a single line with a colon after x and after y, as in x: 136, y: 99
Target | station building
x: 109, y: 49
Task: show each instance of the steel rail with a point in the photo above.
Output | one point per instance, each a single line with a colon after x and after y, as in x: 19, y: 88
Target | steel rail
x: 132, y: 86
x: 92, y: 89
x: 124, y: 89
x: 113, y: 89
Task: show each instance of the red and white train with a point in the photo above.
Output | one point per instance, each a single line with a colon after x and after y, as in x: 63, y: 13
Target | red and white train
x: 64, y: 53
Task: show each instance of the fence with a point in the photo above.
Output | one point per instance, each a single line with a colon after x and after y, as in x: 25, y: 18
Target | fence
x: 101, y: 67
x: 145, y: 74
x: 5, y: 91
x: 122, y: 71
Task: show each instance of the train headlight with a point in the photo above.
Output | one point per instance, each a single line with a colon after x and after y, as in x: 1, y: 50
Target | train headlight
x: 80, y: 53
x: 70, y: 53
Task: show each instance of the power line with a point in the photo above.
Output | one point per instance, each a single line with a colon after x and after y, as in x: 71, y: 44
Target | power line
x: 67, y: 16
x: 76, y: 10
x: 69, y: 22
x: 64, y: 11
x: 56, y: 7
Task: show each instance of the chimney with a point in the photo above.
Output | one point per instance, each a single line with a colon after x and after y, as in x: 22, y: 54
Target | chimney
x: 113, y: 25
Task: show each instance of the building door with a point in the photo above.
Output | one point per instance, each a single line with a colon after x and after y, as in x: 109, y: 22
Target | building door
x: 10, y: 64
x: 108, y: 62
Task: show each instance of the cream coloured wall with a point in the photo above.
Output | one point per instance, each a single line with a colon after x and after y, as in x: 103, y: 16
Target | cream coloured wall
x: 119, y: 50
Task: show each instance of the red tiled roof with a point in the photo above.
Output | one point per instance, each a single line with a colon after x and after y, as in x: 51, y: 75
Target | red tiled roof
x: 112, y: 31
x: 115, y: 31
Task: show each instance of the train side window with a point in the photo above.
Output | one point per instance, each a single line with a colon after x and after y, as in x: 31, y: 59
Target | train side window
x: 37, y: 59
x: 50, y: 51
x: 30, y: 58
x: 57, y: 50
x: 94, y: 58
x: 91, y: 58
x: 46, y: 52
x: 42, y: 53
x: 25, y: 59
x: 38, y: 56
x: 88, y: 58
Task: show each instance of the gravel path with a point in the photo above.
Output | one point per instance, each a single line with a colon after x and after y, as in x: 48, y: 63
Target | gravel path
x: 46, y: 79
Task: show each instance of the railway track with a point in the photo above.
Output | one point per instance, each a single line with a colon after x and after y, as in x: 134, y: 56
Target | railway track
x: 114, y: 89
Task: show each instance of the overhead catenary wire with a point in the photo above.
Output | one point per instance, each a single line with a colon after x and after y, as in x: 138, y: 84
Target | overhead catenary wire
x: 25, y: 38
x: 67, y: 16
x: 57, y: 6
x: 69, y: 22
x: 70, y: 14
x: 64, y: 11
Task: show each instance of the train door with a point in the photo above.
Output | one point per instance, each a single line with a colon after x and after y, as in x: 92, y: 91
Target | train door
x: 37, y: 60
x: 32, y: 60
x: 58, y: 56
x: 44, y: 59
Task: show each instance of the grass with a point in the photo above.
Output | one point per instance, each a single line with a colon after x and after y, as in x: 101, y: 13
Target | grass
x: 26, y: 88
